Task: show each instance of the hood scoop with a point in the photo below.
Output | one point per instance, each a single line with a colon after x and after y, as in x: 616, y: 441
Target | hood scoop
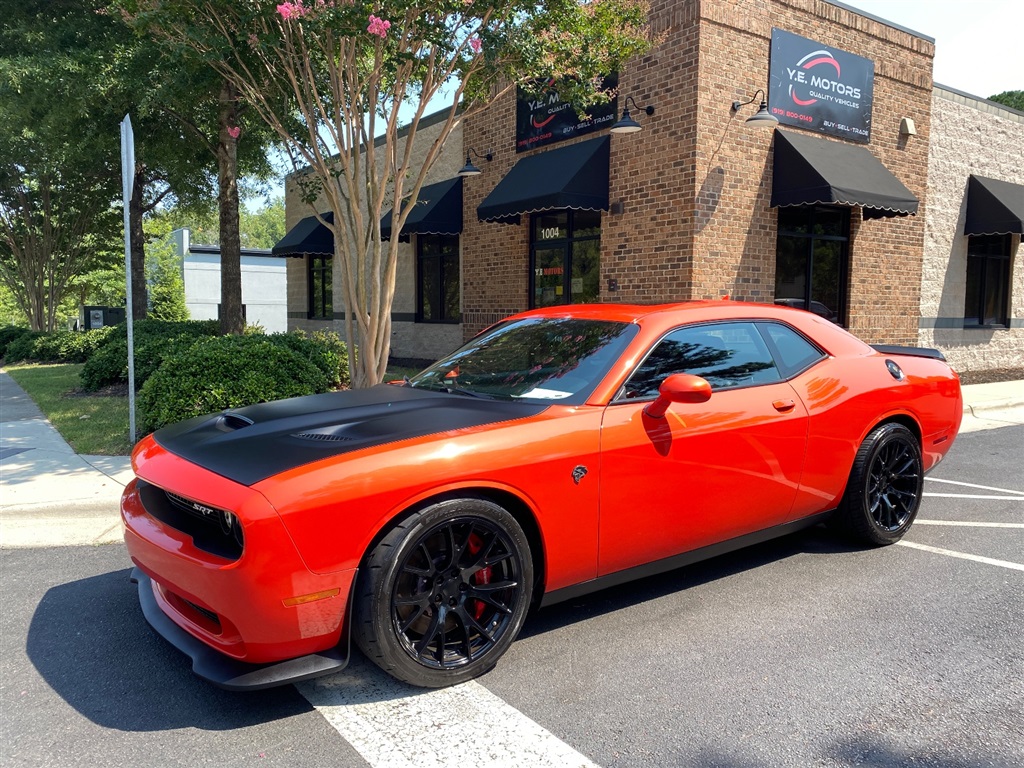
x: 231, y: 421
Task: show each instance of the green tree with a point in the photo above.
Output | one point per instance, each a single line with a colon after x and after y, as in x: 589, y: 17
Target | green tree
x: 166, y: 283
x: 58, y: 176
x: 1011, y: 99
x: 258, y: 228
x: 345, y: 70
x: 69, y: 72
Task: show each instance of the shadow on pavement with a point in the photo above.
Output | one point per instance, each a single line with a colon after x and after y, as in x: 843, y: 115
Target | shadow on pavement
x: 813, y: 541
x: 89, y: 642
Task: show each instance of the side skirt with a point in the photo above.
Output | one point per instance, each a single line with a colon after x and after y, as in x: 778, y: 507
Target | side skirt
x: 680, y: 560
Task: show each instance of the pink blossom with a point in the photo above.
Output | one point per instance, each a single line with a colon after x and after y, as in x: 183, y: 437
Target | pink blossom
x: 291, y: 10
x: 476, y: 44
x: 378, y: 27
x: 234, y: 131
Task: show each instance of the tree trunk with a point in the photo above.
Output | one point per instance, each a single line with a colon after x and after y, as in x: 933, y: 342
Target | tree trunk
x: 140, y: 293
x: 231, y: 320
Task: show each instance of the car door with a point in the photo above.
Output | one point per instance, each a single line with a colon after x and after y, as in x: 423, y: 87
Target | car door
x: 704, y: 472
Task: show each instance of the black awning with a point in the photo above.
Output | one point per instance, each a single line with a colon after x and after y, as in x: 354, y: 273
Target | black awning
x: 438, y: 211
x: 574, y: 177
x: 994, y: 207
x: 308, y: 236
x: 808, y: 171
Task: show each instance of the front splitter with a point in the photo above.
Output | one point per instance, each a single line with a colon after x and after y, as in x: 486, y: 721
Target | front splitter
x: 228, y: 673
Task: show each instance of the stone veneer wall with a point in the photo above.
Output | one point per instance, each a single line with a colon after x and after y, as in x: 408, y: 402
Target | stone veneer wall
x: 969, y: 135
x: 409, y: 339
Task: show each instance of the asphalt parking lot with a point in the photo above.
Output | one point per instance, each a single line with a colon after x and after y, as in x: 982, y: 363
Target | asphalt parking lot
x: 799, y: 652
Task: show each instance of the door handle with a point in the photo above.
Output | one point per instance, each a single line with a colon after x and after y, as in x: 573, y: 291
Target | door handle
x: 782, y: 406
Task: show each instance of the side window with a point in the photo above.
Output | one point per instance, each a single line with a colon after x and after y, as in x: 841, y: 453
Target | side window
x: 792, y: 351
x: 728, y: 355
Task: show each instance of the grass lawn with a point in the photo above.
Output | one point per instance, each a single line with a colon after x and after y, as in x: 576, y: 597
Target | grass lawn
x: 91, y: 423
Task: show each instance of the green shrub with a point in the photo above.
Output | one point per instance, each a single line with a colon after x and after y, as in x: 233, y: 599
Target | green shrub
x: 23, y: 347
x: 58, y: 347
x: 154, y: 340
x: 69, y: 346
x: 324, y: 349
x: 8, y: 334
x: 225, y: 372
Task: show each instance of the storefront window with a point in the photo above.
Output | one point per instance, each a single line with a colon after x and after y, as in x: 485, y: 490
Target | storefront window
x: 437, y: 273
x: 988, y: 281
x: 319, y: 280
x: 565, y: 257
x: 811, y: 259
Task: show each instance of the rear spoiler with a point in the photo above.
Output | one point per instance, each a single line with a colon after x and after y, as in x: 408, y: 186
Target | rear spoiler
x: 890, y: 349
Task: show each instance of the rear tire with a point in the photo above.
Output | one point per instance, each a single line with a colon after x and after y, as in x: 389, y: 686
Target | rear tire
x: 884, y: 491
x: 444, y: 593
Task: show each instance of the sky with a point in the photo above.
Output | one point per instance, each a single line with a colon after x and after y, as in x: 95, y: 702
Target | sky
x: 979, y: 44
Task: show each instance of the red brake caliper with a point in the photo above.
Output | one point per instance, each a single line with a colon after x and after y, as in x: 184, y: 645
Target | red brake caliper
x: 483, y: 576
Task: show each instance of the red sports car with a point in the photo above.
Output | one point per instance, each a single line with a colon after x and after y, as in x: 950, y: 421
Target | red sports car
x: 560, y: 451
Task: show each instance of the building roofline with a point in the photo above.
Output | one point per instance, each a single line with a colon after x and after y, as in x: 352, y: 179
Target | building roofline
x: 215, y: 250
x: 425, y: 122
x: 880, y: 20
x: 977, y: 102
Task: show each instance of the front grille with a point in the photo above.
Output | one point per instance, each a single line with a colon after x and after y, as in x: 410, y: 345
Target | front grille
x: 212, y: 530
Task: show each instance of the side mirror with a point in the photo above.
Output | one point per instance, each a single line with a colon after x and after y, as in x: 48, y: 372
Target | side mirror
x: 679, y: 388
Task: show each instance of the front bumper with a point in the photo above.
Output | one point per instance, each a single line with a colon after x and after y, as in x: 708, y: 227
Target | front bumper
x: 249, y: 614
x: 225, y: 672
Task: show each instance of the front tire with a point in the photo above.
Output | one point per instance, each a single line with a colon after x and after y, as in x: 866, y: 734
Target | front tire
x: 444, y: 593
x: 885, y: 486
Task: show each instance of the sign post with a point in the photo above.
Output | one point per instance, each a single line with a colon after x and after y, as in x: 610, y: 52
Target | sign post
x: 127, y: 184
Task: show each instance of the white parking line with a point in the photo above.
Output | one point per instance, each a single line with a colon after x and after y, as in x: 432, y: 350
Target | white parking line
x: 393, y: 725
x: 971, y: 496
x: 963, y: 555
x: 969, y: 525
x: 973, y: 485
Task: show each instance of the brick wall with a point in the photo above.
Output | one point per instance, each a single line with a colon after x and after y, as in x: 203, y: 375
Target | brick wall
x: 735, y: 244
x: 694, y: 185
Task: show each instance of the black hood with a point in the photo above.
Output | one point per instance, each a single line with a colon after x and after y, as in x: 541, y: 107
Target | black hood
x: 250, y: 444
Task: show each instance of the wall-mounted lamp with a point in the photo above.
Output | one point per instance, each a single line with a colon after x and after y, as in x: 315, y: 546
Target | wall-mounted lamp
x: 762, y: 116
x: 907, y: 127
x: 471, y: 170
x: 626, y: 123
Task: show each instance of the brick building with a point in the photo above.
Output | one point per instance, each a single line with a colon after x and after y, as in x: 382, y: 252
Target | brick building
x: 831, y: 209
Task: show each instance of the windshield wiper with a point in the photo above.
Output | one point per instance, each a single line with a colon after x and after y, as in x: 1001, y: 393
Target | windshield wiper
x: 467, y: 392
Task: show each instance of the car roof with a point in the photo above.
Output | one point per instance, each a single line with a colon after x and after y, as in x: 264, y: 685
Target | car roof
x: 686, y: 311
x: 834, y: 338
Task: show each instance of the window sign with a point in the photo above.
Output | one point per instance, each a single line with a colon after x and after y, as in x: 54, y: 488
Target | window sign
x: 820, y: 88
x: 545, y: 118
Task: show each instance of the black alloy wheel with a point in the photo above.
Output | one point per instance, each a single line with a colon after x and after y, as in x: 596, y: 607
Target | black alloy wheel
x: 444, y: 593
x: 884, y: 491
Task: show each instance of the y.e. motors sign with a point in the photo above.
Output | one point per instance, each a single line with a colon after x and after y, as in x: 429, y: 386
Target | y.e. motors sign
x: 820, y: 88
x: 544, y: 118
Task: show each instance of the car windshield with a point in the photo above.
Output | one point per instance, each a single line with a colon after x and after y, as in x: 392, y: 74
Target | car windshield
x: 533, y: 359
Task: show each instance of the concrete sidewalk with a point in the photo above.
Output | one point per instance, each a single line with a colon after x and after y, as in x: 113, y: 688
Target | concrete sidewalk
x: 50, y: 496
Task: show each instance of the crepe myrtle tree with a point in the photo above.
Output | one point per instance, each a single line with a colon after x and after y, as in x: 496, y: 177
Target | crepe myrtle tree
x: 331, y: 75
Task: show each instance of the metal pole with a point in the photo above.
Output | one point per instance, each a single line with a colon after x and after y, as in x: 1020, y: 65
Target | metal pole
x: 127, y: 184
